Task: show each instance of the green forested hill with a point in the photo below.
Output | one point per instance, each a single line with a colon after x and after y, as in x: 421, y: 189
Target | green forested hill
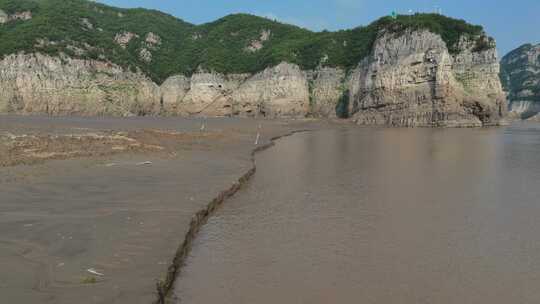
x: 233, y: 44
x: 61, y: 22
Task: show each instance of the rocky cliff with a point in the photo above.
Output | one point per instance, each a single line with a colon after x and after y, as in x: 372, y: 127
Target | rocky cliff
x: 37, y: 83
x: 420, y: 70
x: 520, y: 75
x: 408, y: 80
x: 523, y: 109
x: 411, y: 79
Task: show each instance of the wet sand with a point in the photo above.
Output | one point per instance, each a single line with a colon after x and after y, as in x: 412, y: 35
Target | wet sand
x: 102, y: 224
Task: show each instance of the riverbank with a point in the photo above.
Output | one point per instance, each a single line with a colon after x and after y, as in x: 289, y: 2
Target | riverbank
x: 165, y: 288
x: 93, y: 209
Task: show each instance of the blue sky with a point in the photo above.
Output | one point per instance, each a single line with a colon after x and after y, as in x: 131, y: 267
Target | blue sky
x: 512, y: 23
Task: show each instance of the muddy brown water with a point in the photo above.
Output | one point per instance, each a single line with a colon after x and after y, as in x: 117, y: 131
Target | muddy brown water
x: 379, y: 216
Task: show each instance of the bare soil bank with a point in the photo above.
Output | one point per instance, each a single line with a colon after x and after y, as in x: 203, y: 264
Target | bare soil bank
x: 103, y: 224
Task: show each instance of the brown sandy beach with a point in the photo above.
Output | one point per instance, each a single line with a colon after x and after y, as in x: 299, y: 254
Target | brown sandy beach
x: 92, y: 210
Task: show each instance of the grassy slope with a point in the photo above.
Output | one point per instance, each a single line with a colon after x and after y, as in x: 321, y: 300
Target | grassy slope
x: 218, y: 45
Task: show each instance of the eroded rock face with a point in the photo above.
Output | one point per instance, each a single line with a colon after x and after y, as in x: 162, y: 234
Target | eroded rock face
x: 145, y: 55
x: 173, y: 91
x: 209, y: 95
x: 281, y: 91
x: 87, y: 24
x: 524, y: 109
x: 24, y: 15
x: 62, y: 86
x: 520, y: 74
x: 258, y: 44
x: 327, y: 86
x: 411, y: 79
x: 152, y: 40
x: 124, y: 38
x: 478, y: 74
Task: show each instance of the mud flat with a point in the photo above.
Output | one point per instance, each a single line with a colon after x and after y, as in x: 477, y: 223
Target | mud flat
x: 93, y: 210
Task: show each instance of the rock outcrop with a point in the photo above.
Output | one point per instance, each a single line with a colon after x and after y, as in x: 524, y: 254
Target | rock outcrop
x: 411, y: 79
x: 124, y: 38
x: 535, y: 118
x: 23, y: 15
x: 38, y: 83
x: 280, y: 91
x: 520, y: 75
x: 275, y: 92
x: 4, y: 18
x: 327, y: 87
x: 258, y: 44
x: 209, y: 94
x: 173, y: 91
x: 523, y: 109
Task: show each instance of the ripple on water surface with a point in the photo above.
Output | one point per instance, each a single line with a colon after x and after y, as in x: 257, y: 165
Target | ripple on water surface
x: 379, y: 216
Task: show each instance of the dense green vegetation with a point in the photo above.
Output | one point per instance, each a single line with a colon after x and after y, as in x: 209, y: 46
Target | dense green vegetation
x: 220, y: 45
x: 60, y: 22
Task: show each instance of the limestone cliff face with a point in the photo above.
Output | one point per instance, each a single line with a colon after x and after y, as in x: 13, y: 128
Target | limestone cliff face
x: 275, y: 92
x: 173, y: 91
x: 280, y: 91
x: 38, y: 83
x: 411, y: 79
x: 327, y: 88
x: 208, y: 95
x: 523, y: 109
x: 520, y: 70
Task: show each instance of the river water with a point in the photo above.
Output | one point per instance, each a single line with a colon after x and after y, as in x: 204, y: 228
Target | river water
x: 363, y: 215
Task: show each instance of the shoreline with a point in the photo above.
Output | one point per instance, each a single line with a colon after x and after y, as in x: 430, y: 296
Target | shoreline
x: 164, y: 288
x: 123, y: 215
x: 173, y: 197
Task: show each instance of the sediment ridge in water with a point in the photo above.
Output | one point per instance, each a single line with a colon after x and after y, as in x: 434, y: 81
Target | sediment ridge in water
x: 165, y: 287
x: 123, y: 214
